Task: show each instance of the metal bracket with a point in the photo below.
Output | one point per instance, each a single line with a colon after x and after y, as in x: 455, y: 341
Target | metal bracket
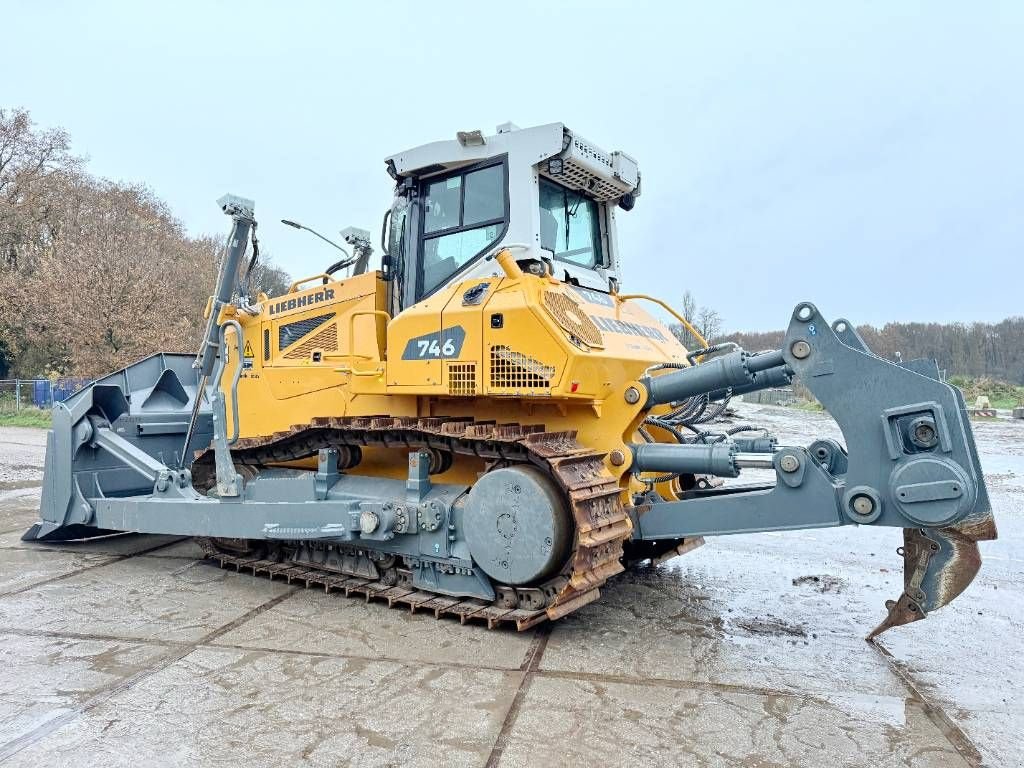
x: 326, y: 473
x: 418, y: 484
x: 229, y: 482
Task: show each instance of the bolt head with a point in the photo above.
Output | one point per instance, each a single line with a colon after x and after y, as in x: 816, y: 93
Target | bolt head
x: 924, y: 435
x: 632, y: 395
x: 800, y: 349
x: 863, y: 505
x: 368, y: 521
x: 789, y: 463
x: 617, y: 457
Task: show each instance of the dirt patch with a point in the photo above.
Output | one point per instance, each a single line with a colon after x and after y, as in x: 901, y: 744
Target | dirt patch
x: 823, y: 583
x: 771, y: 625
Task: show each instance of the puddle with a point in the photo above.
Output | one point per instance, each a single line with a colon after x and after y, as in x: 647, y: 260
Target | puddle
x: 18, y: 485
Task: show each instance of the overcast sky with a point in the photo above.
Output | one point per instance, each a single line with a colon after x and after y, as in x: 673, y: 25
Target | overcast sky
x: 869, y: 158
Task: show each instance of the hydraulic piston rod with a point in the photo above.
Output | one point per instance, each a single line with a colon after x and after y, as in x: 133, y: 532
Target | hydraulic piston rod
x: 770, y: 378
x: 754, y: 461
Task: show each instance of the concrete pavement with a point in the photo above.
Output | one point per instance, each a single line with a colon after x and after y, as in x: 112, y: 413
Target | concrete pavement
x: 746, y: 652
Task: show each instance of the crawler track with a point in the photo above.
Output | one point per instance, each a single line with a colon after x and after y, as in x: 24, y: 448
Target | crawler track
x: 593, y: 494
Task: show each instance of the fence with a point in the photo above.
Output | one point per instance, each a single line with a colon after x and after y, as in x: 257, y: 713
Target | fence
x: 18, y: 394
x: 781, y: 396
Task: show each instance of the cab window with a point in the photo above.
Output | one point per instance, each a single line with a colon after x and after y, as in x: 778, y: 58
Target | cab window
x: 464, y: 215
x: 569, y: 225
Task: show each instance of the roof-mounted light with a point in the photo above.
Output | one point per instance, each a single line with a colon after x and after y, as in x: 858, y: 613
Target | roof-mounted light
x: 471, y: 138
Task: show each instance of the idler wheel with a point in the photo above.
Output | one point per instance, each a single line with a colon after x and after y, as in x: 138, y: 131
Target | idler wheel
x: 517, y: 525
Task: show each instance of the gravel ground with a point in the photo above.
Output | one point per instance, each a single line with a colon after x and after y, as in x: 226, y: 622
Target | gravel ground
x: 748, y: 651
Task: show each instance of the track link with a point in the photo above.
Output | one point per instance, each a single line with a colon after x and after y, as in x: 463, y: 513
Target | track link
x: 601, y: 523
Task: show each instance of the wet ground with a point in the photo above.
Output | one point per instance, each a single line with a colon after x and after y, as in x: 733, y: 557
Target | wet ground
x: 746, y: 652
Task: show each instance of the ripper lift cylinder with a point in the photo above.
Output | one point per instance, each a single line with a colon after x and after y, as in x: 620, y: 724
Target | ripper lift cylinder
x: 726, y: 371
x: 739, y: 371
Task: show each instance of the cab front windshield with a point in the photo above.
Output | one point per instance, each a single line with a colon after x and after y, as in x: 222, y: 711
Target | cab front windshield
x: 569, y: 225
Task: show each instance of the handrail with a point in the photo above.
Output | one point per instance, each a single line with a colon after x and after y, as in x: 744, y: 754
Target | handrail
x: 686, y: 323
x: 297, y: 283
x: 352, y: 342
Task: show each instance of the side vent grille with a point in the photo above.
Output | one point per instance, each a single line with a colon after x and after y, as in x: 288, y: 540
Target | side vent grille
x: 289, y: 333
x: 513, y: 371
x: 462, y: 379
x: 266, y: 344
x: 327, y: 340
x: 567, y: 312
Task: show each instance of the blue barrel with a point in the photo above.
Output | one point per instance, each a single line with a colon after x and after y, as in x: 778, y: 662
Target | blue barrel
x: 66, y: 387
x: 41, y: 393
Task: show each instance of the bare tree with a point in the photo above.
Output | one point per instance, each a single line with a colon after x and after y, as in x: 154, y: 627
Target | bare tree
x: 689, y: 307
x: 269, y: 278
x: 709, y: 323
x: 706, y: 320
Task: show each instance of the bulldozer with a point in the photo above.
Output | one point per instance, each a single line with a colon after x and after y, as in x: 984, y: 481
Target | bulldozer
x: 487, y: 426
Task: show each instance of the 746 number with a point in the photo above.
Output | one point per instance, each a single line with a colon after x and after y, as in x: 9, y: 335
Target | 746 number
x: 433, y: 348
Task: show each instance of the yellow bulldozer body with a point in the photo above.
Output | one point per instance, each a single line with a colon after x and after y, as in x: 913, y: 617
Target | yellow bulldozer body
x: 515, y: 348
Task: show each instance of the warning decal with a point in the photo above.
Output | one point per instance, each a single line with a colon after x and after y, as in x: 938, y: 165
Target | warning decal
x: 247, y: 356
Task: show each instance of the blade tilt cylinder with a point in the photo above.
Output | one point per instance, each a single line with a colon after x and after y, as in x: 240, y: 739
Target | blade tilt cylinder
x: 714, y: 459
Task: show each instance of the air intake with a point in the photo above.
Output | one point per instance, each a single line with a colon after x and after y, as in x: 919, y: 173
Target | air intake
x: 462, y: 379
x: 570, y: 316
x: 290, y: 333
x: 325, y: 340
x: 513, y: 372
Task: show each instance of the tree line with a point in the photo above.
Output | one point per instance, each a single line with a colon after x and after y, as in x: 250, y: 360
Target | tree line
x: 986, y: 350
x: 94, y: 274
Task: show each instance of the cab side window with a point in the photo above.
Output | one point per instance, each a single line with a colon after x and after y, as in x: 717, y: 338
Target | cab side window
x: 465, y: 214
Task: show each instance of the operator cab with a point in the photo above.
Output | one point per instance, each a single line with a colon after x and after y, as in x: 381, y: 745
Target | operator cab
x: 545, y: 193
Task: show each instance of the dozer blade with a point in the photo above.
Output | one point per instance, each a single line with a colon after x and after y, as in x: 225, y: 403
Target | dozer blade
x: 938, y: 564
x: 144, y: 408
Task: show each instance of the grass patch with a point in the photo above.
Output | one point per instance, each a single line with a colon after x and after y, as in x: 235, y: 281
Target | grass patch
x: 1001, y: 394
x: 1006, y: 403
x: 26, y: 417
x: 809, y: 405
